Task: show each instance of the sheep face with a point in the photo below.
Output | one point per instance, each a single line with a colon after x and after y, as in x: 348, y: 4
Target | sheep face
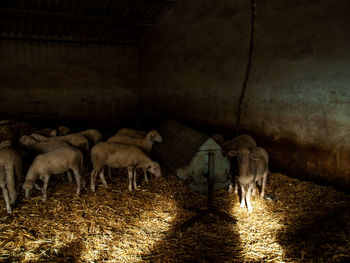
x: 26, y: 140
x: 53, y: 133
x: 154, y: 168
x: 244, y: 156
x: 27, y: 186
x: 63, y: 130
x: 155, y: 136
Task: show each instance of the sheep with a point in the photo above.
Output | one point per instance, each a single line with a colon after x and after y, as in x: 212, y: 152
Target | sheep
x: 63, y: 130
x: 240, y: 141
x: 252, y: 167
x: 139, y: 134
x: 10, y: 165
x: 45, y: 146
x: 47, y: 132
x: 39, y: 138
x: 219, y: 139
x: 94, y: 136
x: 144, y: 144
x: 57, y: 161
x: 76, y: 140
x: 118, y: 156
x: 41, y: 146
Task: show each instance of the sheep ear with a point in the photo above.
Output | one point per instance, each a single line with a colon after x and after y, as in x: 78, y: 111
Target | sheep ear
x: 253, y: 157
x: 233, y: 153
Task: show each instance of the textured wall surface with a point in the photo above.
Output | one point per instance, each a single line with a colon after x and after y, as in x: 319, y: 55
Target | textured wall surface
x: 193, y: 62
x: 83, y: 83
x: 297, y: 100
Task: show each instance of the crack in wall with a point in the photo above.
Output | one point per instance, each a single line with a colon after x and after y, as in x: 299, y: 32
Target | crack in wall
x: 249, y: 64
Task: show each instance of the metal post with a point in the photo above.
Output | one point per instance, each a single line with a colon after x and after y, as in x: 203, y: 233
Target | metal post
x: 210, y: 178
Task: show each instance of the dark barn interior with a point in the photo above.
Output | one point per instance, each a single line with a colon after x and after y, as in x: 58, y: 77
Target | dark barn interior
x: 277, y: 70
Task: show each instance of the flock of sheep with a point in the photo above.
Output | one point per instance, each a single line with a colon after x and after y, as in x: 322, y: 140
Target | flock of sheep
x: 59, y: 151
x: 70, y: 153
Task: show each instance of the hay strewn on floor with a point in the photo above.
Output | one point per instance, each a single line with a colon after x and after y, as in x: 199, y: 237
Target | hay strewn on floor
x: 307, y: 223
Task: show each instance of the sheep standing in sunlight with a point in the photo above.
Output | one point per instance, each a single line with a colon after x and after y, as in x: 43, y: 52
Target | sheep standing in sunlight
x: 119, y: 156
x: 252, y: 166
x: 240, y: 141
x: 57, y: 161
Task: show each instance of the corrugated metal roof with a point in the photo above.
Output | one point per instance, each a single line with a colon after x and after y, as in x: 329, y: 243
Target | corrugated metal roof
x: 100, y: 21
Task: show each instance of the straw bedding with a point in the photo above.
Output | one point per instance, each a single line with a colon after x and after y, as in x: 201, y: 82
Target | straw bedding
x: 307, y: 223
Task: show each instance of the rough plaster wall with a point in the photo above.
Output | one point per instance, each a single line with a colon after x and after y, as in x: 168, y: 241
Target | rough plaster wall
x: 186, y: 73
x: 297, y: 101
x: 299, y: 90
x: 81, y: 82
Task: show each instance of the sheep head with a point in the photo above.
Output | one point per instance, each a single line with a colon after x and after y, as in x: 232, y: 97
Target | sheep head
x: 154, y: 168
x: 26, y: 140
x: 27, y: 186
x: 53, y: 133
x: 63, y: 130
x: 39, y: 137
x: 155, y: 136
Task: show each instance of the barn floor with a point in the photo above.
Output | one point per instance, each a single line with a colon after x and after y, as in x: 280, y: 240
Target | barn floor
x: 307, y: 223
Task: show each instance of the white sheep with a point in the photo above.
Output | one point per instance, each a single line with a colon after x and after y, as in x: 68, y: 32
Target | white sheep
x: 40, y: 146
x: 63, y: 130
x: 45, y: 146
x: 10, y: 165
x: 39, y: 137
x: 57, y: 161
x: 47, y: 132
x: 119, y: 156
x: 94, y: 136
x: 144, y: 144
x: 240, y: 141
x: 139, y: 134
x: 219, y: 139
x: 252, y: 164
x: 76, y: 140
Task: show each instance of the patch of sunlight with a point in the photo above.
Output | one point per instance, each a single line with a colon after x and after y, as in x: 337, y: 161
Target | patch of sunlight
x: 258, y: 231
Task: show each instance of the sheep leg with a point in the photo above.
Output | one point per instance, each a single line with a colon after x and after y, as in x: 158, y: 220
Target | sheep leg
x: 46, y: 182
x: 134, y: 175
x: 6, y: 197
x: 236, y: 185
x: 83, y: 182
x: 93, y: 180
x: 254, y: 189
x: 146, y: 177
x: 231, y: 185
x: 243, y: 196
x: 247, y: 196
x: 18, y: 170
x: 10, y: 183
x: 69, y: 174
x: 130, y: 174
x: 78, y: 178
x: 263, y: 183
x: 102, y: 177
x: 37, y: 187
x: 110, y: 172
